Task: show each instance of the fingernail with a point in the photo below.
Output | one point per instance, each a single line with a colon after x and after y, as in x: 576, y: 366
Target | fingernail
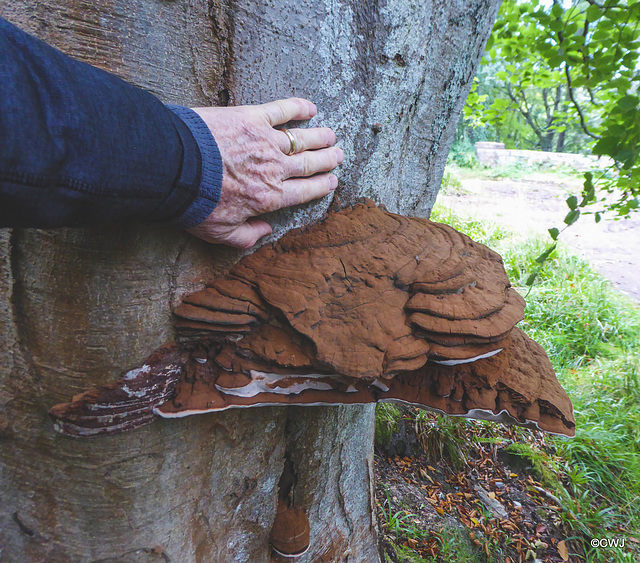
x: 334, y: 182
x: 340, y: 156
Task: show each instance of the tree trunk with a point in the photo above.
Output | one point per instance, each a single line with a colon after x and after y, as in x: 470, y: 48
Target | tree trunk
x: 79, y: 306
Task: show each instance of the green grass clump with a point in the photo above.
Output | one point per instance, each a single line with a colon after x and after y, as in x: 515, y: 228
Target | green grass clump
x: 592, y: 336
x: 542, y: 468
x: 387, y: 424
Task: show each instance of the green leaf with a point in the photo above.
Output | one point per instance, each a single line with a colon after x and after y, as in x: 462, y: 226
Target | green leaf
x: 556, y: 11
x: 556, y: 25
x: 554, y: 233
x: 588, y: 190
x: 555, y: 61
x: 543, y: 257
x: 571, y: 28
x: 594, y: 13
x: 532, y: 277
x: 598, y: 217
x: 572, y: 202
x: 572, y: 217
x: 627, y: 103
x: 606, y: 145
x: 578, y: 81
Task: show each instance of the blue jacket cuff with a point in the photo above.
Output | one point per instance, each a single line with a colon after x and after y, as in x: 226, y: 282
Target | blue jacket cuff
x: 208, y: 194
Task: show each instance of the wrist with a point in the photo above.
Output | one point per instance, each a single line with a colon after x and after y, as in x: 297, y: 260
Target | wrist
x: 210, y: 184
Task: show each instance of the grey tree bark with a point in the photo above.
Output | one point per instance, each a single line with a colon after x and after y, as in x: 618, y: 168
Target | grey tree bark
x: 77, y: 307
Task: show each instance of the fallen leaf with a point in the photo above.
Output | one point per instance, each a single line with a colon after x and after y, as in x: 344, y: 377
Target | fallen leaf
x: 563, y: 551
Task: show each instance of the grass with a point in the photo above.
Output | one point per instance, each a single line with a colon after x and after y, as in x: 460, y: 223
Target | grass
x: 387, y: 423
x: 592, y: 335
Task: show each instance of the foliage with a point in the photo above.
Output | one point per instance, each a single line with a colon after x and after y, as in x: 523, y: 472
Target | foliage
x: 566, y: 72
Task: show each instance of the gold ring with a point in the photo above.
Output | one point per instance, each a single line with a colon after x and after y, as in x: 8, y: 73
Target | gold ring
x: 292, y: 140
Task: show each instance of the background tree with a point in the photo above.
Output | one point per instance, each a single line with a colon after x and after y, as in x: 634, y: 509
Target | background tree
x: 79, y: 306
x: 570, y: 69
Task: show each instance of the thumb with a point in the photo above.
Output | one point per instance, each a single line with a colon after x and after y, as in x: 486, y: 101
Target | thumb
x: 247, y: 234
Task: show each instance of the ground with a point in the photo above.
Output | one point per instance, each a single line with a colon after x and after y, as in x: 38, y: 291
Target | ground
x: 536, y: 202
x: 494, y: 507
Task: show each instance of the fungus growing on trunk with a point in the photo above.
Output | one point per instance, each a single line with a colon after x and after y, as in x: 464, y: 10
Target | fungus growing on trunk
x: 364, y: 306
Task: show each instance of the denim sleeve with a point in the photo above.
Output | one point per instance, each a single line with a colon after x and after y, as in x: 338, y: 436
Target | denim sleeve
x: 79, y: 146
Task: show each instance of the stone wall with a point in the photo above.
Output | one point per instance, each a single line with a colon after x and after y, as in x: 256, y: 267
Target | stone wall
x: 495, y: 154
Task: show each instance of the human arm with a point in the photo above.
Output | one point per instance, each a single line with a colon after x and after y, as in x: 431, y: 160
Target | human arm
x: 79, y: 147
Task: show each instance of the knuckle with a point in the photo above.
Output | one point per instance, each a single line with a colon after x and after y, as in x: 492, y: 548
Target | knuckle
x: 332, y: 160
x: 307, y: 166
x: 301, y: 144
x: 266, y: 200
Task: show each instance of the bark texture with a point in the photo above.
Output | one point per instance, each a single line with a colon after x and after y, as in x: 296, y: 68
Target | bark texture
x: 77, y: 307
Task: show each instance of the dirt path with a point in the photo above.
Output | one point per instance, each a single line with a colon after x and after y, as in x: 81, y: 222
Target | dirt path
x: 538, y: 203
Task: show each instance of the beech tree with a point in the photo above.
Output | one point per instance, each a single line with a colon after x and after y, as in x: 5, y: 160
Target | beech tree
x: 80, y: 306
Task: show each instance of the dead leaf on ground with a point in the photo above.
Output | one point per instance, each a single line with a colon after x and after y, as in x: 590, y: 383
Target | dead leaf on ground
x: 563, y: 551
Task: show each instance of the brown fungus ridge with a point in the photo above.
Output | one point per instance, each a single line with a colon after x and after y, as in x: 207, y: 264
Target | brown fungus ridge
x: 516, y: 386
x: 364, y: 278
x: 363, y: 306
x: 127, y: 403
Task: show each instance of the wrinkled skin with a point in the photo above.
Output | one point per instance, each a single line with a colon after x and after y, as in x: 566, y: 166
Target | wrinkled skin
x: 258, y: 175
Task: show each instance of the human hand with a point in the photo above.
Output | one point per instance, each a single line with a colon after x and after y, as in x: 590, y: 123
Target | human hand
x: 258, y: 175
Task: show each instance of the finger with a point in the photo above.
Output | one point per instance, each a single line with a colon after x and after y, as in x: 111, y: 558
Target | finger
x: 309, y: 163
x: 247, y: 234
x: 282, y: 111
x: 301, y: 190
x: 307, y: 139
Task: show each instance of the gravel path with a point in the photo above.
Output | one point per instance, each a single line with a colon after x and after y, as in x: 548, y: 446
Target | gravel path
x: 538, y: 203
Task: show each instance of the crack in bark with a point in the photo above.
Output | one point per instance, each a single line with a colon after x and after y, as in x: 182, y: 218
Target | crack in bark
x: 341, y: 496
x: 223, y: 29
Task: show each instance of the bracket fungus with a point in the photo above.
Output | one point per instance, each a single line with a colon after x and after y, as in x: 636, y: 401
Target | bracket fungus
x: 364, y: 306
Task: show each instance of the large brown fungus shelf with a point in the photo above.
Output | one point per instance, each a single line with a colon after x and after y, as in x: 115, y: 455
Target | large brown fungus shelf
x: 365, y: 306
